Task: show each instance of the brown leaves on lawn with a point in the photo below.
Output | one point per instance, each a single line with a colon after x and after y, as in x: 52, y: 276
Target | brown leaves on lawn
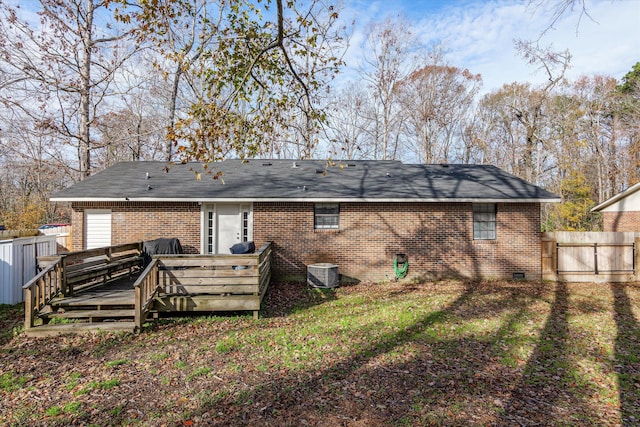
x: 445, y: 353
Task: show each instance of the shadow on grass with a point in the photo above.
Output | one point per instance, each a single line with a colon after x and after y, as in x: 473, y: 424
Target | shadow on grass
x: 428, y: 380
x: 437, y: 370
x: 627, y: 355
x: 547, y: 391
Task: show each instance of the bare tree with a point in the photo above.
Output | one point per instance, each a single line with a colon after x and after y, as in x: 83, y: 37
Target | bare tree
x: 179, y: 32
x: 135, y: 126
x: 64, y: 65
x: 530, y: 114
x: 319, y: 56
x: 391, y: 45
x: 31, y: 168
x: 436, y: 99
x: 599, y: 128
x: 560, y: 9
x: 348, y: 127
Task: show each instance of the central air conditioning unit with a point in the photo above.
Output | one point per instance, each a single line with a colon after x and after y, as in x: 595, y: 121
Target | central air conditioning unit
x: 323, y: 275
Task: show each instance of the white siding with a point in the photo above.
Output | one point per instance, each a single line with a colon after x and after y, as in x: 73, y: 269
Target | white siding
x: 97, y: 228
x: 627, y: 204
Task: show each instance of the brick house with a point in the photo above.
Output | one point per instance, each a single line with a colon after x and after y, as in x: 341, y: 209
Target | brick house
x: 622, y: 211
x: 451, y: 220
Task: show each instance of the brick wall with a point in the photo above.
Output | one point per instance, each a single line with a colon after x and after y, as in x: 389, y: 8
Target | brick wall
x: 140, y: 221
x: 621, y: 221
x: 437, y: 237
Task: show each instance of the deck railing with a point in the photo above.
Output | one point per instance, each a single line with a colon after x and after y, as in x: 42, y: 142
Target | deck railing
x: 40, y: 290
x: 146, y: 288
x: 99, y: 265
x: 218, y: 282
x: 62, y: 273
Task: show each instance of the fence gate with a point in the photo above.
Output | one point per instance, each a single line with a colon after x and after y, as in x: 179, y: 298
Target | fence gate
x: 590, y: 256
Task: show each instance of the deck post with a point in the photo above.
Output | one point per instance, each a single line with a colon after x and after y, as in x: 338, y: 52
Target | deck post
x: 636, y: 258
x: 138, y: 308
x: 28, y: 309
x: 65, y: 287
x: 60, y: 277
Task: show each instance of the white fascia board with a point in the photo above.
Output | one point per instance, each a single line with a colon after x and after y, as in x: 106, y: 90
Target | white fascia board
x: 307, y: 200
x: 616, y: 198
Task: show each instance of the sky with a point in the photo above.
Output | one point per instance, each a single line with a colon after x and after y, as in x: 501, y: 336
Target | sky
x: 478, y: 34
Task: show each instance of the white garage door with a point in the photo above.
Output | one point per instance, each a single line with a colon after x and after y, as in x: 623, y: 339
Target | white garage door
x: 97, y: 228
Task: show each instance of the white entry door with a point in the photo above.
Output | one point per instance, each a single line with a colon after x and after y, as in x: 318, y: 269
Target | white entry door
x: 224, y: 226
x: 228, y: 227
x: 97, y: 228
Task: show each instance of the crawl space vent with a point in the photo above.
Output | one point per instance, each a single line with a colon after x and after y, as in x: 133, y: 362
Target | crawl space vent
x: 322, y: 275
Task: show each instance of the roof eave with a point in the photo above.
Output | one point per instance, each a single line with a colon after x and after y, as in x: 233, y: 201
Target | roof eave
x: 617, y: 197
x: 305, y: 199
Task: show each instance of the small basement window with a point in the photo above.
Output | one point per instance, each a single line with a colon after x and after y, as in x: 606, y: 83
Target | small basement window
x: 326, y: 216
x: 484, y: 221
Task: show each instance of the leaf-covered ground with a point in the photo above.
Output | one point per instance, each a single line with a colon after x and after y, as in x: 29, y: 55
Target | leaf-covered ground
x: 446, y: 353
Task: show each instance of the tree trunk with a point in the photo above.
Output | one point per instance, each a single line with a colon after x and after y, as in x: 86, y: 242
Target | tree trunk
x: 172, y: 112
x: 84, y: 145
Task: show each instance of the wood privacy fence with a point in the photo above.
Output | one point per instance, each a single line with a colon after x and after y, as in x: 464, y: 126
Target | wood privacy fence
x: 62, y: 232
x: 591, y: 256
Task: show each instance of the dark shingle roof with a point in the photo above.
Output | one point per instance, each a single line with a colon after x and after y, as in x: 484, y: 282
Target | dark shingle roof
x: 304, y: 180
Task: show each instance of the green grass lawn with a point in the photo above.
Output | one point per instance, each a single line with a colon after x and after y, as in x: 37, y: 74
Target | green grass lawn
x: 398, y: 354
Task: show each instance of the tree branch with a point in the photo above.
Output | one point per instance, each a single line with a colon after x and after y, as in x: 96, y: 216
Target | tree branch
x: 278, y: 43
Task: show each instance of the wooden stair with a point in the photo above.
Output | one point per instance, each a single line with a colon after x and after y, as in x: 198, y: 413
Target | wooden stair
x: 85, y: 315
x: 78, y: 328
x: 93, y: 315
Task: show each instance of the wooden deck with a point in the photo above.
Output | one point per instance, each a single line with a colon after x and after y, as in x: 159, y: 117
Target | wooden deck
x: 116, y: 293
x: 169, y: 284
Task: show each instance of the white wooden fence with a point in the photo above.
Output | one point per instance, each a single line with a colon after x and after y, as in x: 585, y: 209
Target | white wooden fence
x: 591, y: 256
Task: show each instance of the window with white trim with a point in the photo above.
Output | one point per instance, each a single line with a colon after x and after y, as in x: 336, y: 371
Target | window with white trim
x: 210, y: 231
x: 484, y: 221
x: 326, y: 216
x: 246, y: 212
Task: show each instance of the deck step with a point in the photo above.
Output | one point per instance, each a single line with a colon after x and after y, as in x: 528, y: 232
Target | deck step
x: 79, y: 328
x: 92, y: 314
x: 96, y: 301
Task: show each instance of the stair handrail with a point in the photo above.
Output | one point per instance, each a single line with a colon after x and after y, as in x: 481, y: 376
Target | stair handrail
x: 146, y: 288
x: 40, y: 290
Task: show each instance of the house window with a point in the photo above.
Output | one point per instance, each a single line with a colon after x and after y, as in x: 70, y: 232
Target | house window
x: 484, y: 221
x: 245, y: 224
x: 327, y: 216
x: 210, y: 226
